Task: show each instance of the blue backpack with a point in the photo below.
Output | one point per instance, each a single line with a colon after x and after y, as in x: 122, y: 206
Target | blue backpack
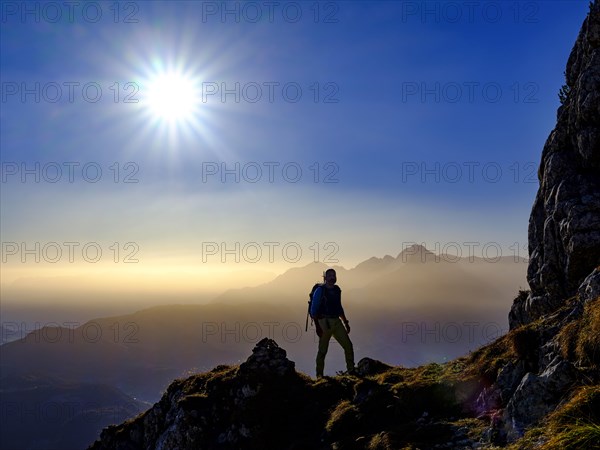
x: 310, y: 300
x: 321, y: 307
x: 311, y: 296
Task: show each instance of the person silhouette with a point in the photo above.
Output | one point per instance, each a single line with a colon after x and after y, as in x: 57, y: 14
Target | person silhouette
x: 327, y: 310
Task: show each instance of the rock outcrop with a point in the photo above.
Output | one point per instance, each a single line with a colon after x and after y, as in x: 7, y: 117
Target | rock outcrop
x: 227, y: 408
x: 265, y: 404
x: 564, y: 226
x: 564, y: 247
x: 537, y: 395
x: 590, y: 288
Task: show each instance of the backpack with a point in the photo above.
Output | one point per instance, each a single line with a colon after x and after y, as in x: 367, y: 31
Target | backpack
x: 310, y: 300
x: 312, y: 293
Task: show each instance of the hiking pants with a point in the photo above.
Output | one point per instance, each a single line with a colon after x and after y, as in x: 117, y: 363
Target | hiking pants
x: 334, y: 327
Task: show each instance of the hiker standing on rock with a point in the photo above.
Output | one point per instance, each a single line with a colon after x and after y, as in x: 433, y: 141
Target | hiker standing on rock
x: 327, y: 312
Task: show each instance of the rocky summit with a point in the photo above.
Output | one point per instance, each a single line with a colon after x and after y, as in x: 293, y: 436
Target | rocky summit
x: 265, y: 404
x: 538, y: 386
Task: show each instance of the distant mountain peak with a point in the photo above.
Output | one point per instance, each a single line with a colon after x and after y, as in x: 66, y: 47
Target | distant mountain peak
x: 373, y: 263
x: 415, y: 253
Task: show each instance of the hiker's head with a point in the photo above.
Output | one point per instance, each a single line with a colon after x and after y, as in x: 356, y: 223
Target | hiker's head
x: 330, y: 276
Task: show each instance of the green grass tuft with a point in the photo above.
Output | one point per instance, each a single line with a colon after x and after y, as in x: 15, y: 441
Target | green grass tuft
x: 575, y: 425
x: 579, y: 340
x: 342, y: 418
x: 579, y: 436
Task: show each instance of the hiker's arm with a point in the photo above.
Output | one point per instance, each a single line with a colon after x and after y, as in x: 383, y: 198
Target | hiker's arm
x: 346, y: 321
x: 343, y: 317
x: 343, y: 314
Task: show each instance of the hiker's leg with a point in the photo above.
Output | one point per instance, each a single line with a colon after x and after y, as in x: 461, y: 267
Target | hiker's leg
x: 323, y: 346
x: 341, y: 335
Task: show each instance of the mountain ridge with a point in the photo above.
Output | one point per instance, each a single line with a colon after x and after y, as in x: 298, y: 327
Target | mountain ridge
x: 140, y: 343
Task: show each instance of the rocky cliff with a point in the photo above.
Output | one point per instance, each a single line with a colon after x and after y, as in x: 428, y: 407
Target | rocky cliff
x: 536, y: 387
x: 564, y: 226
x: 557, y: 322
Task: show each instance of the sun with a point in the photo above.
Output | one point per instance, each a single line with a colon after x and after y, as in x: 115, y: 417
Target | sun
x: 170, y: 108
x: 172, y: 97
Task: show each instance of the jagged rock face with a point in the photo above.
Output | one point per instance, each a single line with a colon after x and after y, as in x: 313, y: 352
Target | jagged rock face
x: 564, y: 241
x: 564, y: 226
x: 590, y: 288
x: 537, y: 395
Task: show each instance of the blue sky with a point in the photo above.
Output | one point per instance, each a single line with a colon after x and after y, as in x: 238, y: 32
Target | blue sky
x: 429, y: 124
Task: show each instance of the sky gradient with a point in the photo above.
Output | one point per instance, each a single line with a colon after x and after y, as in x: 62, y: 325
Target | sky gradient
x: 359, y: 126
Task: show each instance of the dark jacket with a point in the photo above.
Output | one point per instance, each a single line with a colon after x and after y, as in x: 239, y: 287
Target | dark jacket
x: 327, y: 302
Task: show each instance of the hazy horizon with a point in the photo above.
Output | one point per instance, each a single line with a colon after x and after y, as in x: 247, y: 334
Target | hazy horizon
x: 186, y: 284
